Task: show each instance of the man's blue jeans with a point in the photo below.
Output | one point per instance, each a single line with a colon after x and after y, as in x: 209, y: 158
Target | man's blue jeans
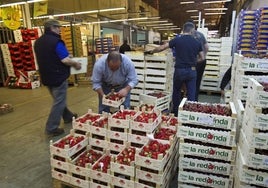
x: 59, y: 108
x: 187, y: 76
x: 104, y: 108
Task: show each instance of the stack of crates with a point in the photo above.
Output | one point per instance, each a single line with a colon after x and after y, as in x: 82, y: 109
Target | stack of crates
x: 62, y: 152
x: 248, y: 30
x: 207, y: 144
x: 252, y: 149
x: 210, y: 80
x: 243, y: 69
x: 104, y: 45
x: 138, y: 59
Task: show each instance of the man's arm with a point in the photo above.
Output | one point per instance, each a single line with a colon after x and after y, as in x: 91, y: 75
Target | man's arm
x: 161, y: 48
x: 68, y: 61
x: 201, y: 57
x: 206, y: 47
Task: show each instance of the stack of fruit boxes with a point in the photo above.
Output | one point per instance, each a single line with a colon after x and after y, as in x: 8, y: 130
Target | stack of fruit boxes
x: 207, y: 144
x: 118, y: 129
x: 95, y: 126
x: 210, y: 80
x: 252, y: 151
x: 138, y: 59
x: 156, y: 170
x: 62, y: 151
x: 123, y: 168
x: 143, y: 123
x: 244, y: 68
x: 158, y: 72
x: 155, y: 72
x: 160, y: 99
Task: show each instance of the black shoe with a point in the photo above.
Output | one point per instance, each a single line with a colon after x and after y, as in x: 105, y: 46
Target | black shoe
x: 55, y: 132
x: 75, y: 115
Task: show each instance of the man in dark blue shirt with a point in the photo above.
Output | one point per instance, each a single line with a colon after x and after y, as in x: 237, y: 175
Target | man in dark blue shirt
x: 188, y: 52
x: 54, y: 67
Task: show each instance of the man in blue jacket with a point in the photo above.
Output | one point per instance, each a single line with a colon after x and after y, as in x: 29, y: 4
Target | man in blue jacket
x: 54, y: 67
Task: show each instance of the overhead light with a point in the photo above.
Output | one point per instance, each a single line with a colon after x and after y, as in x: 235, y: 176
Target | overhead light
x: 194, y: 16
x: 87, y: 12
x: 172, y: 26
x: 215, y: 9
x: 160, y: 24
x: 82, y: 12
x: 159, y: 21
x: 112, y: 9
x: 20, y: 3
x: 214, y: 13
x: 131, y: 19
x: 169, y: 29
x: 64, y: 14
x: 191, y: 10
x: 186, y: 2
x: 222, y: 1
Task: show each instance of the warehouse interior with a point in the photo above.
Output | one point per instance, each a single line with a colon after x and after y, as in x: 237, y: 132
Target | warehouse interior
x: 237, y: 35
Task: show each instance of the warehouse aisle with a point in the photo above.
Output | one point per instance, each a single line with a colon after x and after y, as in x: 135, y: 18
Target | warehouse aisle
x: 24, y: 160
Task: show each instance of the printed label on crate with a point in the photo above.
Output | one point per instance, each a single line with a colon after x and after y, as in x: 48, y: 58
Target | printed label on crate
x: 203, y: 179
x: 257, y: 161
x: 207, y: 151
x: 260, y: 140
x: 254, y: 177
x: 212, y: 136
x: 207, y: 119
x: 206, y: 166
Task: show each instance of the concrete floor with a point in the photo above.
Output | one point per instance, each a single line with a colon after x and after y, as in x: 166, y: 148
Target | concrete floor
x: 25, y: 158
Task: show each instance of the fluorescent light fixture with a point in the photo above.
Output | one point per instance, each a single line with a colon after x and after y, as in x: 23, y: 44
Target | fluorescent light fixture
x: 100, y: 22
x: 20, y: 3
x: 214, y: 13
x: 64, y: 14
x: 159, y: 21
x: 159, y: 25
x: 87, y: 12
x: 35, y: 1
x: 191, y: 10
x: 112, y: 9
x: 186, y: 2
x: 222, y: 1
x: 154, y: 17
x: 131, y: 19
x: 169, y: 29
x: 172, y: 26
x: 215, y: 9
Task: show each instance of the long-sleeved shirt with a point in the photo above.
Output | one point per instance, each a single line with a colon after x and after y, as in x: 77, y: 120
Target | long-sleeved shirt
x: 226, y: 78
x: 103, y: 75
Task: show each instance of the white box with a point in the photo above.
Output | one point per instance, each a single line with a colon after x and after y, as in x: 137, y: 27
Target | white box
x: 83, y: 61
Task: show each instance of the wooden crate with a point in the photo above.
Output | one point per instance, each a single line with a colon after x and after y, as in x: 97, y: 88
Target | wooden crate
x: 212, y: 152
x: 225, y: 138
x: 209, y: 120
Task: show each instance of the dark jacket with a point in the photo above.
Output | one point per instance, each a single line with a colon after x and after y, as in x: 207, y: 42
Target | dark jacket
x: 52, y: 71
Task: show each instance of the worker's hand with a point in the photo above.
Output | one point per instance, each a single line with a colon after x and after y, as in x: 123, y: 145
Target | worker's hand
x: 222, y: 93
x: 150, y: 52
x: 123, y: 92
x: 77, y: 65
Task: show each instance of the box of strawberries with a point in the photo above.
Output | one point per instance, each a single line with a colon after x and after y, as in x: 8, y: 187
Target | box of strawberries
x: 113, y: 99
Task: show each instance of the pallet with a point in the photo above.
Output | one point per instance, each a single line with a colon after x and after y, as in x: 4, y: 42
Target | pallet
x: 61, y: 184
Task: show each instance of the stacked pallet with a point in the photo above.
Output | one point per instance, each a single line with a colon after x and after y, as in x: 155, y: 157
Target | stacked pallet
x: 252, y: 148
x: 104, y: 45
x: 138, y: 59
x: 155, y: 72
x: 210, y: 80
x: 101, y: 150
x: 243, y: 69
x: 207, y: 144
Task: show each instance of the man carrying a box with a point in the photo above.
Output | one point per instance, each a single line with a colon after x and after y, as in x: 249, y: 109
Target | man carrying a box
x: 114, y: 71
x: 54, y: 67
